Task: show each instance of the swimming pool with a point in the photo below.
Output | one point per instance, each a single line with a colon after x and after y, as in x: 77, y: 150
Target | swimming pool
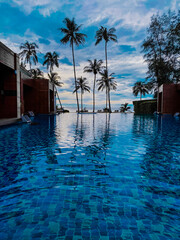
x: 103, y: 176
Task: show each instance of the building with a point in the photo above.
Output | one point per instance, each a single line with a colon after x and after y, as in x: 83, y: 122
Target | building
x: 169, y: 99
x: 37, y: 96
x: 145, y: 106
x: 10, y: 102
x: 20, y: 93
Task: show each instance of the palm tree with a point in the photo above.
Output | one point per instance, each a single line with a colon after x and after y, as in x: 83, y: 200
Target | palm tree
x: 94, y: 67
x: 54, y: 78
x: 140, y: 87
x: 36, y: 73
x: 107, y: 35
x: 51, y: 60
x: 124, y: 107
x: 73, y: 36
x: 107, y: 82
x: 29, y: 52
x: 83, y: 85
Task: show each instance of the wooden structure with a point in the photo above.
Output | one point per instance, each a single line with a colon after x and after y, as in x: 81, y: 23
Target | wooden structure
x: 37, y: 96
x: 145, y: 106
x: 169, y: 98
x: 10, y: 104
x: 20, y: 93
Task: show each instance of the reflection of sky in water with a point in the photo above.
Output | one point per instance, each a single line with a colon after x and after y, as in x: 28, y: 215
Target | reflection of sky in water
x: 90, y: 176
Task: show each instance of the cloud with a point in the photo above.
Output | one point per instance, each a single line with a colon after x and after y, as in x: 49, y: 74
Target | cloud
x: 118, y: 13
x: 127, y: 48
x: 175, y: 4
x: 45, y: 7
x: 44, y: 41
x: 38, y: 21
x: 66, y: 61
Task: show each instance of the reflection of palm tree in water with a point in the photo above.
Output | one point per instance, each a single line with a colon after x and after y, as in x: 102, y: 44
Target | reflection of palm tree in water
x: 96, y: 152
x: 73, y: 154
x: 50, y: 152
x: 79, y: 135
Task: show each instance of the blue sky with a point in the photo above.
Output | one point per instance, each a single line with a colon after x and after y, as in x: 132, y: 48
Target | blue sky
x: 38, y: 21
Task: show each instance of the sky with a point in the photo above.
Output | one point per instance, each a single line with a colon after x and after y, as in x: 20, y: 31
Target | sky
x: 39, y: 21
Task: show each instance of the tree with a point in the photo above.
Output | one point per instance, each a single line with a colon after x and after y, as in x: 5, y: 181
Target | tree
x: 83, y: 85
x: 36, y: 73
x: 140, y: 88
x: 74, y: 37
x: 29, y: 53
x: 107, y: 35
x: 161, y: 49
x: 107, y: 82
x: 54, y: 78
x: 94, y: 67
x: 124, y: 107
x: 51, y: 60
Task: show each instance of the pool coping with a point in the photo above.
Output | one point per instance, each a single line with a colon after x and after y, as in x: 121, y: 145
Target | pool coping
x: 9, y: 121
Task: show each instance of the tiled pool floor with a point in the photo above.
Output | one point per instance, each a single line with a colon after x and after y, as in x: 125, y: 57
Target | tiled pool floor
x: 90, y: 177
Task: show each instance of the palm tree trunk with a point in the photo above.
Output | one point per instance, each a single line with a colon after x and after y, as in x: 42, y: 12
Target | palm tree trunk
x: 75, y: 77
x: 108, y: 90
x: 106, y: 69
x: 81, y: 101
x: 58, y: 96
x: 106, y: 96
x: 140, y: 95
x: 109, y: 101
x: 51, y: 68
x: 94, y: 93
x: 106, y: 57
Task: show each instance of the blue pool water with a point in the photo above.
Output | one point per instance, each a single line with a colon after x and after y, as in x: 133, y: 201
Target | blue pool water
x: 91, y: 177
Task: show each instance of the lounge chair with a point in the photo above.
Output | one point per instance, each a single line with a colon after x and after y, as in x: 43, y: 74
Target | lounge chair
x: 31, y: 114
x: 26, y: 119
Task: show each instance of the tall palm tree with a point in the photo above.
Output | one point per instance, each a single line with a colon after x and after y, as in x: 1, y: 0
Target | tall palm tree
x: 83, y: 85
x: 51, y: 60
x: 54, y: 78
x: 36, y: 73
x: 107, y: 82
x: 140, y: 88
x: 107, y: 35
x: 74, y: 37
x: 29, y: 52
x: 124, y: 107
x: 94, y: 67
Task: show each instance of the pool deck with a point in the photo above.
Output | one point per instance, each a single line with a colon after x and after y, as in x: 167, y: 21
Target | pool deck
x: 8, y: 121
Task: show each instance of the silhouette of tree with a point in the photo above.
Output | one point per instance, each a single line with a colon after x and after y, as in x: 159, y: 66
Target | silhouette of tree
x: 74, y: 37
x: 83, y: 85
x: 124, y: 107
x: 140, y: 88
x: 107, y: 35
x: 94, y: 67
x: 54, y: 78
x: 29, y: 53
x: 161, y: 49
x: 36, y: 73
x: 107, y: 82
x: 51, y: 60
